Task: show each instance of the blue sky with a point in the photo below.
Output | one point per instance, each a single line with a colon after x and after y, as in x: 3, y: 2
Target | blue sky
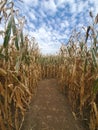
x: 51, y: 21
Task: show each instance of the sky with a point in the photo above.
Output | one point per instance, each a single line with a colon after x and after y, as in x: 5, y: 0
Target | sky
x: 51, y: 21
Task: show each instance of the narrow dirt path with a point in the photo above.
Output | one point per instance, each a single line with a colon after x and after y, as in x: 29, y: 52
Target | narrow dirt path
x: 49, y: 110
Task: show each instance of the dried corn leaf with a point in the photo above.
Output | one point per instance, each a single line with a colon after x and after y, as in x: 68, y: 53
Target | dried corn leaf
x: 3, y: 72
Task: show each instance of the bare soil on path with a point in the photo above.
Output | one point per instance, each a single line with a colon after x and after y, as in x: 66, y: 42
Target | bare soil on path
x: 50, y: 110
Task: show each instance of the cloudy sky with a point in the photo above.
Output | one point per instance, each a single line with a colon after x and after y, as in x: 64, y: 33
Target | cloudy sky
x: 52, y: 21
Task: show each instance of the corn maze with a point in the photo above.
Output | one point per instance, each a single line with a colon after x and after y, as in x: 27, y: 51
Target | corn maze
x: 22, y: 66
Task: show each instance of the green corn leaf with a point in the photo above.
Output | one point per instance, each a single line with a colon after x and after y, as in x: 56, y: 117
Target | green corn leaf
x: 8, y: 33
x: 94, y: 58
x: 21, y: 35
x: 95, y: 86
x: 96, y: 48
x: 2, y: 56
x: 95, y: 41
x: 81, y: 46
x: 16, y: 43
x: 1, y: 49
x: 15, y: 33
x: 87, y: 33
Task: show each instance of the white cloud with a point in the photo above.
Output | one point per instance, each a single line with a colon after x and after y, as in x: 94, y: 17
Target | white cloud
x: 62, y: 2
x: 95, y: 6
x: 49, y: 6
x: 48, y: 39
x: 73, y: 7
x: 82, y: 6
x: 64, y: 24
x: 31, y: 25
x: 31, y: 2
x: 32, y: 16
x: 59, y: 2
x: 42, y: 13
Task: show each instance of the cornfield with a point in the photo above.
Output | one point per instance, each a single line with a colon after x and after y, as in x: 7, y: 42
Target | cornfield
x: 22, y: 66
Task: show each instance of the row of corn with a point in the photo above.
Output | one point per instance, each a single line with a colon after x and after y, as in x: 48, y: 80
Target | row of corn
x: 78, y: 74
x: 19, y: 69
